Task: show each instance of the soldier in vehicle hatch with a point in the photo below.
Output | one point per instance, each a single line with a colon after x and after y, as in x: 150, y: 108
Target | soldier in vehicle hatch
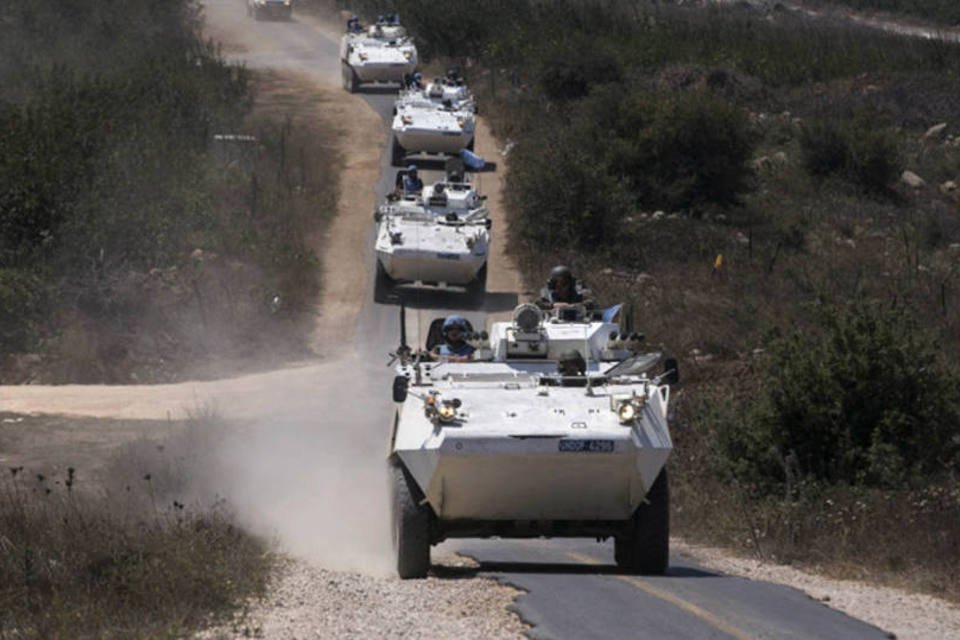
x: 561, y: 289
x: 411, y: 181
x: 454, y: 347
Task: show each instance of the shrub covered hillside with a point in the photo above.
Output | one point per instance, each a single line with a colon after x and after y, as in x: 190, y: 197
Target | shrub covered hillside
x: 777, y: 198
x: 124, y: 242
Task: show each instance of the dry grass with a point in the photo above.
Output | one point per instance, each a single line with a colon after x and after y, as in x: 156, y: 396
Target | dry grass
x: 130, y: 557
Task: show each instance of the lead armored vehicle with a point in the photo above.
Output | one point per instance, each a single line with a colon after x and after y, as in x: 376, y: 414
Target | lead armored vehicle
x: 382, y: 53
x: 439, y: 237
x: 556, y: 428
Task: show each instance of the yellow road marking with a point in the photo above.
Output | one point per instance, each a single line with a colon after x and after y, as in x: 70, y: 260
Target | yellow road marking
x: 689, y: 607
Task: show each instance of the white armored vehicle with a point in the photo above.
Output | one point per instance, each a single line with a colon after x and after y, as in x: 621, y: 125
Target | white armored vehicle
x: 554, y: 428
x: 260, y: 9
x: 439, y: 237
x: 381, y: 53
x: 439, y: 119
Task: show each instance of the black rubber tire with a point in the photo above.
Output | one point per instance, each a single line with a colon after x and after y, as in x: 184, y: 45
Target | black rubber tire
x: 646, y: 550
x: 397, y: 153
x: 383, y: 285
x: 410, y: 526
x: 351, y: 81
x: 477, y: 290
x: 470, y: 144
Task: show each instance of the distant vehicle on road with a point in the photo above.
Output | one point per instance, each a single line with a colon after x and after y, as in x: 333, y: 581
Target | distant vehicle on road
x: 275, y: 9
x: 380, y: 54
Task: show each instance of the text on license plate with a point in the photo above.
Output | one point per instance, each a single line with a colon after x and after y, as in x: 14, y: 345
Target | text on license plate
x: 448, y: 256
x: 589, y: 446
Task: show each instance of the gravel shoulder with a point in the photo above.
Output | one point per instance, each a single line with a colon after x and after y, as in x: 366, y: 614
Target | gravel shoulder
x: 311, y: 602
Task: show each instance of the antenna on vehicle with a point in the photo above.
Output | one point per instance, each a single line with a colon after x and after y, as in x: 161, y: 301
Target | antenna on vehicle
x: 403, y: 325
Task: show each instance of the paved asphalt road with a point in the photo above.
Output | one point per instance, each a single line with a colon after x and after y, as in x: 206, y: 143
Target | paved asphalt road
x: 572, y: 587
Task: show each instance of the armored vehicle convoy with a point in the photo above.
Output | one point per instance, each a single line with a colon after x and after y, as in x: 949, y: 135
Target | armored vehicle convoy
x: 554, y: 427
x: 438, y: 237
x: 381, y: 53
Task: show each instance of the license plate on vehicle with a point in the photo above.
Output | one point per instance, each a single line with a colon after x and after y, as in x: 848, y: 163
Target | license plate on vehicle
x: 588, y: 446
x: 448, y: 256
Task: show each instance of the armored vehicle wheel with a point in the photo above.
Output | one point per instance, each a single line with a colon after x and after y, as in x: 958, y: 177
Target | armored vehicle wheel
x: 397, y: 153
x: 477, y: 290
x: 646, y: 549
x: 411, y: 526
x: 383, y: 285
x: 351, y: 81
x: 471, y: 144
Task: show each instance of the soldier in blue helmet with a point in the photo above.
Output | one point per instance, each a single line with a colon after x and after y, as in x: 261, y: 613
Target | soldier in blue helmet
x: 454, y: 347
x: 411, y: 181
x: 353, y: 25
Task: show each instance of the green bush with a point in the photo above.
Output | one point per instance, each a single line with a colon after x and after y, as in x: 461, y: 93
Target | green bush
x: 860, y: 150
x: 868, y: 400
x: 682, y: 150
x: 563, y: 76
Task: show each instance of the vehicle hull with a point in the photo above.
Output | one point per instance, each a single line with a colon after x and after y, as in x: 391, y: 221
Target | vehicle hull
x: 542, y: 459
x: 433, y: 140
x: 383, y: 72
x: 406, y: 265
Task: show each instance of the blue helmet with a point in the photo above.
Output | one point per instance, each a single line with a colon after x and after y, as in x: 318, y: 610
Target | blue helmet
x: 417, y: 76
x: 411, y: 168
x: 455, y: 321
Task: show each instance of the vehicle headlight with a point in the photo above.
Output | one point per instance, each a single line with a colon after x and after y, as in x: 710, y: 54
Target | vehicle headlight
x: 408, y: 55
x: 461, y: 122
x: 406, y: 119
x: 628, y: 411
x: 446, y: 412
x: 363, y: 56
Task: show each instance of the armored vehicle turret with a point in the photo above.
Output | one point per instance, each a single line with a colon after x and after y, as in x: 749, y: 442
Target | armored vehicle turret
x: 555, y: 426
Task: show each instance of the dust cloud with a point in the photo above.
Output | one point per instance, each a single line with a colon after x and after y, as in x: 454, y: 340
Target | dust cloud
x: 302, y: 461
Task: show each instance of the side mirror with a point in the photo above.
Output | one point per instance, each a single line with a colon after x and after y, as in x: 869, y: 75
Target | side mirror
x: 400, y: 384
x: 671, y: 369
